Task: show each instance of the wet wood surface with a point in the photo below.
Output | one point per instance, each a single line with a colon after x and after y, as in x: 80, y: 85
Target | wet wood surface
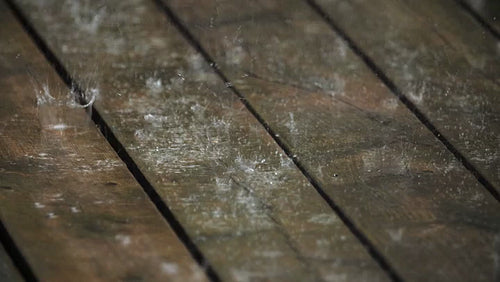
x: 443, y: 60
x: 489, y: 10
x: 424, y: 212
x: 69, y: 203
x: 7, y: 270
x: 252, y: 213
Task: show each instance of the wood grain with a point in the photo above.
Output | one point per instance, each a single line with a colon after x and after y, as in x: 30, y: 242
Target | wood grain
x: 244, y: 203
x: 424, y: 212
x: 443, y: 61
x: 67, y: 200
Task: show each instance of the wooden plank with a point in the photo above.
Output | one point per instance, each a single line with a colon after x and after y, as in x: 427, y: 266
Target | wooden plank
x: 7, y: 270
x: 68, y: 202
x: 488, y: 10
x: 424, y: 212
x: 243, y: 202
x: 443, y: 61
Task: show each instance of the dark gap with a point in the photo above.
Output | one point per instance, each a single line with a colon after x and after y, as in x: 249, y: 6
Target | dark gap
x: 117, y: 146
x: 288, y: 240
x: 153, y: 195
x: 398, y: 93
x: 359, y: 235
x: 478, y: 18
x: 15, y: 254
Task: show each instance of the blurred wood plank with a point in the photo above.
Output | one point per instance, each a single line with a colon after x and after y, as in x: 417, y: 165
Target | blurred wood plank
x: 443, y: 60
x: 488, y: 10
x: 243, y: 202
x: 7, y: 270
x: 68, y: 202
x: 423, y: 211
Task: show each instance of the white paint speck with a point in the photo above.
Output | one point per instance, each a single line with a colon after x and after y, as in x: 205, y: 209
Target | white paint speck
x: 169, y: 268
x: 123, y: 239
x: 396, y: 234
x: 323, y: 219
x: 59, y: 126
x: 390, y: 104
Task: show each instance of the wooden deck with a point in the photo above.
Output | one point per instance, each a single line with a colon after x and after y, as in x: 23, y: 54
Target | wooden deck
x: 266, y: 140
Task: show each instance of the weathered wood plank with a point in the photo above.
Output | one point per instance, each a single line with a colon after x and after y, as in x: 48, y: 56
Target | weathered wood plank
x: 69, y: 203
x: 7, y: 270
x: 248, y: 208
x: 489, y: 10
x: 416, y: 203
x: 443, y: 61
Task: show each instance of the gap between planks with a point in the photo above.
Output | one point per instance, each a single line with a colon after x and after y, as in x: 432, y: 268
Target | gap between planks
x: 162, y: 206
x: 409, y: 104
x: 15, y: 255
x: 376, y: 255
x: 478, y: 18
x: 155, y: 198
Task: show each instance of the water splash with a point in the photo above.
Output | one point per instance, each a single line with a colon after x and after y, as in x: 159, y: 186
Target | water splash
x: 87, y: 18
x: 54, y: 102
x: 154, y: 85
